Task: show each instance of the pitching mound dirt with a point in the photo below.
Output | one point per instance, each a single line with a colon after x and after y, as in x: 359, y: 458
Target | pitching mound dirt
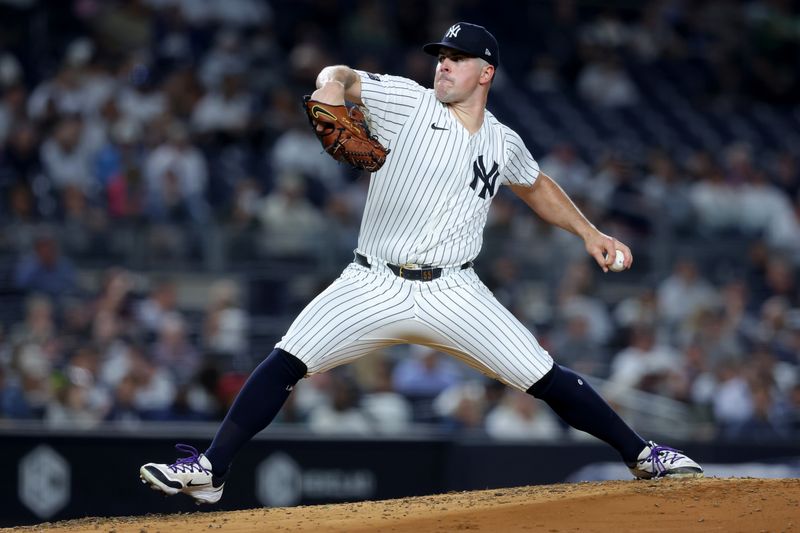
x: 728, y: 505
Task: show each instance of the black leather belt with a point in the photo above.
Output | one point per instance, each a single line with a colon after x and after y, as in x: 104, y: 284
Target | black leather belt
x: 421, y: 273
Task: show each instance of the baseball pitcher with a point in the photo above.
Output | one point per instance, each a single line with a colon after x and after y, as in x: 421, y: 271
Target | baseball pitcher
x: 438, y: 158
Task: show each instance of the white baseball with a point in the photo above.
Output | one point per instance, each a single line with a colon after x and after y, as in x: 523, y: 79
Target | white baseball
x: 619, y: 262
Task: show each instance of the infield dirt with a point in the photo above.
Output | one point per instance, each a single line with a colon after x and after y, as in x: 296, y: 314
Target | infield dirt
x: 710, y: 504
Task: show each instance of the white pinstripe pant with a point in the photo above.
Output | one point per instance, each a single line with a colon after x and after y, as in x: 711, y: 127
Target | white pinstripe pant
x: 366, y: 309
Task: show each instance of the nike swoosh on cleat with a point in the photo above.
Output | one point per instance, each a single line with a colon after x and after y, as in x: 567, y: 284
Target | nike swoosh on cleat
x: 435, y: 127
x: 190, y: 484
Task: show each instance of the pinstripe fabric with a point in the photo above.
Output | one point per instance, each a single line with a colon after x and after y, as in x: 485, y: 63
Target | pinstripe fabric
x: 368, y: 309
x: 420, y: 206
x: 427, y: 205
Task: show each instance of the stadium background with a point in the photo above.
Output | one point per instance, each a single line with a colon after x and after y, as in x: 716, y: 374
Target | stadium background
x: 166, y: 212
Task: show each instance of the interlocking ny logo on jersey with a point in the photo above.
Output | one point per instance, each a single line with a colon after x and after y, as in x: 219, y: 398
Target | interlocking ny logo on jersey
x: 488, y: 180
x: 453, y: 31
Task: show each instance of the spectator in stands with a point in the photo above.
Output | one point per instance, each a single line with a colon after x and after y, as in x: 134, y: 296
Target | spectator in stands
x: 767, y: 211
x: 571, y: 339
x: 606, y: 31
x: 731, y: 401
x: 652, y: 35
x: 139, y: 99
x: 162, y: 300
x: 20, y: 165
x: 714, y: 200
x: 226, y: 325
x: 789, y: 347
x: 18, y: 230
x: 576, y: 297
x: 290, y: 225
x: 604, y: 83
x: 343, y: 414
x: 183, y: 408
x: 241, y: 220
x: 176, y: 177
x: 667, y: 191
x: 714, y: 330
x: 639, y: 308
x: 781, y: 280
x: 463, y: 406
x: 227, y: 56
x: 606, y: 178
x: 644, y: 363
x: 768, y: 421
x: 84, y: 226
x: 342, y: 219
x: 521, y: 417
x: 503, y: 229
x: 544, y: 77
x: 422, y: 377
x: 45, y: 269
x: 695, y: 382
x: 112, y: 309
x: 58, y: 95
x: 226, y: 109
x: 573, y: 173
x: 297, y: 150
x: 39, y: 326
x: 389, y: 411
x: 504, y: 281
x: 308, y: 394
x: 72, y: 406
x: 155, y: 386
x: 28, y: 388
x: 122, y: 152
x: 683, y: 292
x: 786, y: 171
x: 767, y: 368
x: 13, y: 96
x: 67, y: 155
x: 173, y: 351
x: 123, y: 408
x: 627, y: 204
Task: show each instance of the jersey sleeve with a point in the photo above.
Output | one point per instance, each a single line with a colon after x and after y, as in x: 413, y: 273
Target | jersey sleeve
x: 521, y: 167
x: 389, y: 100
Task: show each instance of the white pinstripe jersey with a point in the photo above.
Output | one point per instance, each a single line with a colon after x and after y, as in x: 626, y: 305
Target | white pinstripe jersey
x: 428, y: 204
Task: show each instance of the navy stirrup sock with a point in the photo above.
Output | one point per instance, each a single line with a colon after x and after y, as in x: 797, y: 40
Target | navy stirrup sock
x: 580, y: 406
x: 255, y: 407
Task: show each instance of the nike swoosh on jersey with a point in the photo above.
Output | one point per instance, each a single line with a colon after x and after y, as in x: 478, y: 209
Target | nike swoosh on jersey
x: 435, y: 127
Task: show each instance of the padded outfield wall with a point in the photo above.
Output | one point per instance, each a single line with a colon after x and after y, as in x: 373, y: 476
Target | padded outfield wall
x: 58, y: 476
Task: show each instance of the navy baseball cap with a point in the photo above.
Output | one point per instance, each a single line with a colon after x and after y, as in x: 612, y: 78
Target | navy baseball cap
x: 468, y: 38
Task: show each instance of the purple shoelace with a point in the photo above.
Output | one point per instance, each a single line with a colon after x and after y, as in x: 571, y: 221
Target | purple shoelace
x: 658, y: 464
x: 190, y: 463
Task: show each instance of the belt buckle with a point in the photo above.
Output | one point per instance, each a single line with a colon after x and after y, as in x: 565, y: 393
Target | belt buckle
x: 407, y: 266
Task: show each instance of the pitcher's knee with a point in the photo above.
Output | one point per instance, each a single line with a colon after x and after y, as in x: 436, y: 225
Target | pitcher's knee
x: 293, y: 366
x: 540, y: 387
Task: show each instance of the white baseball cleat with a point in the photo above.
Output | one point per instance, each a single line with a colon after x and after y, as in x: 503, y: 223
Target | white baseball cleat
x: 662, y: 461
x: 190, y: 475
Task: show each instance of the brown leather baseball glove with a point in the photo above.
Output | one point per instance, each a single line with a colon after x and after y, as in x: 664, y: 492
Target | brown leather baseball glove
x: 344, y: 134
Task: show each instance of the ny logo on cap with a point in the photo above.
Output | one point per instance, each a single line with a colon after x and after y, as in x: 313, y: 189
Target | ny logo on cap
x: 453, y: 31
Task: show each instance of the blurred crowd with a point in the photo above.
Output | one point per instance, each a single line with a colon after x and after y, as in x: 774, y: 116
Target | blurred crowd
x: 133, y: 132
